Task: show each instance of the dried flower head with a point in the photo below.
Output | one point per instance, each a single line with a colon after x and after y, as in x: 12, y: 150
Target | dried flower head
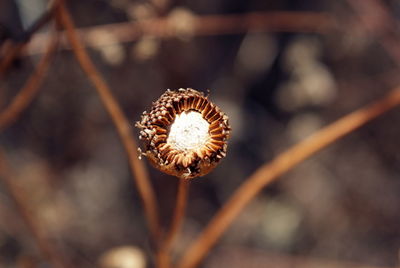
x: 184, y: 134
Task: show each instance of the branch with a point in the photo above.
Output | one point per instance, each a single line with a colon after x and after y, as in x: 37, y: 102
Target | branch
x: 308, y: 22
x: 26, y: 95
x: 164, y: 257
x: 120, y: 121
x: 376, y: 18
x: 14, y: 49
x: 47, y: 249
x: 270, y: 172
x: 17, y: 47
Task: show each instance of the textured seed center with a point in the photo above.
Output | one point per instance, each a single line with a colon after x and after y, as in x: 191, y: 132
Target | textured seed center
x: 188, y: 131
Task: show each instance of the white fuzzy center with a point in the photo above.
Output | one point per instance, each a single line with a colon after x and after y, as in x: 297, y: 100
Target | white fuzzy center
x: 188, y: 131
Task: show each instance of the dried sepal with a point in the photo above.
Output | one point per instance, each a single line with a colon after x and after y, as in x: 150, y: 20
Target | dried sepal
x: 184, y: 134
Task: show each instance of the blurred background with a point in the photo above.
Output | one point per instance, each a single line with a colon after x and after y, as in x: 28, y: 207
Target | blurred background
x: 279, y: 79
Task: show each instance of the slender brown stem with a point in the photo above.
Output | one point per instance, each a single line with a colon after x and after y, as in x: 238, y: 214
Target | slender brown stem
x: 17, y: 47
x: 13, y: 51
x: 120, y: 121
x: 284, y: 21
x: 26, y: 95
x: 378, y: 21
x: 47, y: 249
x: 164, y: 255
x: 280, y: 165
x: 45, y: 18
x: 179, y: 212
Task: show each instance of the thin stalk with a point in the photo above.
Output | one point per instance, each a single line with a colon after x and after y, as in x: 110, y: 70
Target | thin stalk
x: 12, y: 52
x: 31, y: 88
x: 164, y: 255
x: 121, y: 123
x: 207, y: 25
x: 47, y: 249
x: 16, y: 47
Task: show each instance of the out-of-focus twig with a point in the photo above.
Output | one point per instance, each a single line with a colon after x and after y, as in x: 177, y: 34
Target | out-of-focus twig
x: 280, y: 165
x: 309, y: 22
x: 121, y: 123
x: 13, y: 51
x: 31, y: 87
x: 179, y: 212
x: 164, y: 255
x: 45, y: 18
x: 47, y: 249
x: 15, y: 48
x: 378, y: 21
x: 282, y: 21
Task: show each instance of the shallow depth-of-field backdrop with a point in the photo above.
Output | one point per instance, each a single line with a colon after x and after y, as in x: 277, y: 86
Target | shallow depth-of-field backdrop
x: 280, y: 70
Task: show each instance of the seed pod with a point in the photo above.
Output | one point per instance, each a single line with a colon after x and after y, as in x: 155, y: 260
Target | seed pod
x: 184, y: 134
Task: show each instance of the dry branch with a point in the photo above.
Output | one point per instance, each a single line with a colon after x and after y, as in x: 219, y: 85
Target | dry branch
x: 12, y: 51
x: 16, y: 48
x: 164, y: 255
x: 47, y: 249
x: 377, y: 20
x: 26, y: 95
x: 308, y: 22
x: 179, y: 212
x: 121, y: 123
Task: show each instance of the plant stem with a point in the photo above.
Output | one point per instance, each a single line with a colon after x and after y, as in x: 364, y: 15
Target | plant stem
x: 164, y: 254
x: 47, y: 249
x: 120, y: 121
x: 26, y: 95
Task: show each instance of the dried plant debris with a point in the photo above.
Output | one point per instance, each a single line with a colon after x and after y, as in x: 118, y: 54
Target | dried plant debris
x: 184, y: 134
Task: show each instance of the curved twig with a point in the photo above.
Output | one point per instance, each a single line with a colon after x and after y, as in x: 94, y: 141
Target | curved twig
x: 280, y: 165
x: 25, y: 96
x: 13, y: 51
x: 120, y: 121
x: 16, y: 48
x: 47, y: 249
